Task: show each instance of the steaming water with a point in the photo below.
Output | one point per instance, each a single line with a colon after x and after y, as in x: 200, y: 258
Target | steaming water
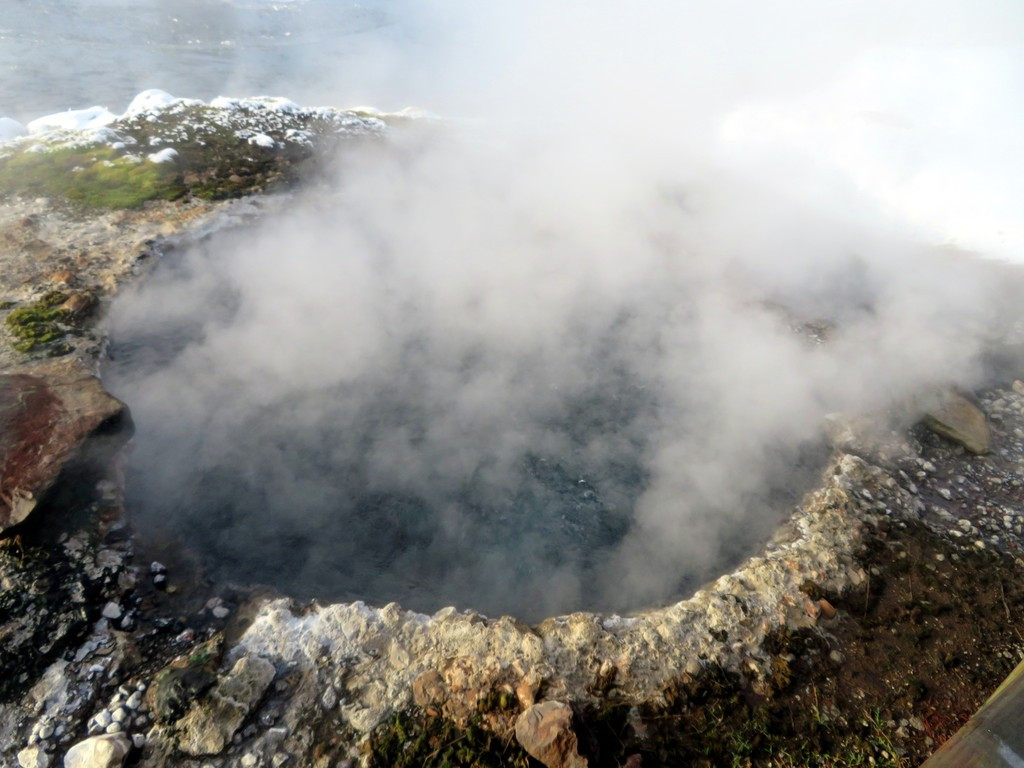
x: 289, y: 493
x: 603, y: 414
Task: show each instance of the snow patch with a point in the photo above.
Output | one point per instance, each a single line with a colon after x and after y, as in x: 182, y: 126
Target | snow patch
x: 164, y: 155
x: 256, y: 103
x: 72, y: 120
x: 262, y: 140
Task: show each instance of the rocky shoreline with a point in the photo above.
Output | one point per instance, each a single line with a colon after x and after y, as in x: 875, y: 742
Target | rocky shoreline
x: 879, y: 614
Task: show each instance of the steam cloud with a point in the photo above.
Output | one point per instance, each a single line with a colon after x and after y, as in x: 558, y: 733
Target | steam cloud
x: 545, y: 358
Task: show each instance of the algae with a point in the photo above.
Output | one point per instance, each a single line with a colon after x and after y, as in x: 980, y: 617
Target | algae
x: 92, y: 176
x: 39, y: 324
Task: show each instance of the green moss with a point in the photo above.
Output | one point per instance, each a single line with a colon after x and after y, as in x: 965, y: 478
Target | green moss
x: 39, y: 324
x: 95, y: 177
x: 415, y: 740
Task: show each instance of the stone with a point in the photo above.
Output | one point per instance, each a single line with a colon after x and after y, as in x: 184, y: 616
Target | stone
x: 210, y: 724
x: 50, y: 416
x: 956, y: 418
x: 98, y: 752
x: 547, y: 733
x: 33, y: 757
x: 112, y: 611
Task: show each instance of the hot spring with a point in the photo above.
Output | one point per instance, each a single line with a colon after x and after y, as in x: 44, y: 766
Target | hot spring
x: 380, y: 390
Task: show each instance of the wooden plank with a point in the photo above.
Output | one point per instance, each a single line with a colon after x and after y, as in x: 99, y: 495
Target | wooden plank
x: 994, y: 737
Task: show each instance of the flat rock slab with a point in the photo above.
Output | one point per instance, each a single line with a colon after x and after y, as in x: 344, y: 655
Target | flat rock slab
x: 958, y: 419
x: 47, y: 414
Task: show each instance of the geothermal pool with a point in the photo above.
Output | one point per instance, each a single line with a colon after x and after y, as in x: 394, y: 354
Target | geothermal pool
x: 417, y: 473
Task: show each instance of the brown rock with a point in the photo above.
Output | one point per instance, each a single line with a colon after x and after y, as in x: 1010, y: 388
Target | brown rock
x: 49, y: 417
x: 958, y: 419
x: 828, y: 610
x: 79, y: 304
x: 546, y: 731
x: 429, y: 689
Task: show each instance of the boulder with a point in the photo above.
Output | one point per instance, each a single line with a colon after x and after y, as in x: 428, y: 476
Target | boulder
x: 48, y: 415
x: 107, y: 751
x: 33, y: 757
x: 546, y: 731
x: 955, y: 417
x: 210, y: 724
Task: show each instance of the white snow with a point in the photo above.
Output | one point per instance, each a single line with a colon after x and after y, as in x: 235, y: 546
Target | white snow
x: 149, y: 101
x: 262, y: 140
x: 72, y: 120
x: 164, y: 155
x: 11, y: 129
x: 271, y: 103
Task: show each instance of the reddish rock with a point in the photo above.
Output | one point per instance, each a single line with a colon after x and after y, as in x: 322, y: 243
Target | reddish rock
x: 546, y: 731
x: 48, y: 414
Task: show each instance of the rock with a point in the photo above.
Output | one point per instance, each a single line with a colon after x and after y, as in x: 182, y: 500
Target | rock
x: 958, y: 419
x: 102, y: 718
x: 221, y: 612
x: 547, y: 734
x: 112, y: 611
x: 828, y: 611
x: 49, y: 414
x: 33, y: 757
x: 98, y: 752
x: 185, y: 679
x: 210, y: 724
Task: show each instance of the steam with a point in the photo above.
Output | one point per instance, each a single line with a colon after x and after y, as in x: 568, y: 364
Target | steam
x: 551, y: 353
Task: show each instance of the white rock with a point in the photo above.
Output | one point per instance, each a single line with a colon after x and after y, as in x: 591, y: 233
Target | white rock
x: 114, y: 728
x: 33, y: 757
x: 46, y: 730
x: 103, y: 718
x: 112, y: 611
x: 98, y: 752
x: 120, y: 715
x: 221, y: 612
x: 249, y: 760
x: 134, y: 701
x: 139, y: 740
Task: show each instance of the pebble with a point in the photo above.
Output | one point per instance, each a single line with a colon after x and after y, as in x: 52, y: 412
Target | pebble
x: 221, y: 612
x: 46, y: 730
x: 114, y: 728
x: 945, y: 493
x: 102, y: 718
x: 112, y: 611
x: 139, y: 740
x: 249, y: 760
x: 329, y: 699
x: 120, y: 715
